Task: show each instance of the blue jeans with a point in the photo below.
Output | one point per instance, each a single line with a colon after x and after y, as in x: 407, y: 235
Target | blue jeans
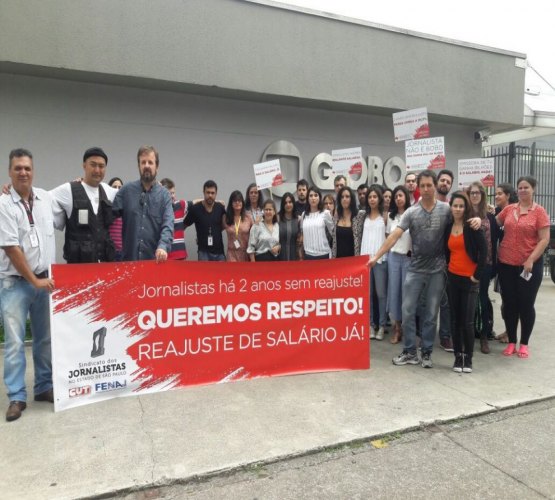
x: 397, y: 267
x: 378, y: 280
x: 213, y: 257
x: 431, y: 287
x: 18, y: 298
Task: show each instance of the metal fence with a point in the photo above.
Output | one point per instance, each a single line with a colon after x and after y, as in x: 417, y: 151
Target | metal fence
x: 512, y: 162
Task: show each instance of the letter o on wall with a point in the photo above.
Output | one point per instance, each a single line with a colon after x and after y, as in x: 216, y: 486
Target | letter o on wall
x: 375, y: 168
x: 394, y: 172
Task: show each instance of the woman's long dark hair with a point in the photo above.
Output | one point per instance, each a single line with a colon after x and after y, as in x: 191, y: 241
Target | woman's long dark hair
x: 114, y: 179
x: 248, y: 199
x: 509, y: 191
x: 314, y: 189
x: 352, y: 205
x: 393, y: 208
x: 229, y: 214
x: 376, y: 188
x: 284, y: 198
x: 467, y: 205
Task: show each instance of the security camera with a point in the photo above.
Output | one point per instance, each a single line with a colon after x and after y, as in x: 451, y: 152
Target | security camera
x: 482, y: 135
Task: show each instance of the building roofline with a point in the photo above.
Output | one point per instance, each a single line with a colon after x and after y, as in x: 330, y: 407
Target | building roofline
x: 383, y: 27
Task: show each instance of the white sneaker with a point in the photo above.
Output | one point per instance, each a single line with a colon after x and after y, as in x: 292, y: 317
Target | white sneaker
x: 372, y: 332
x: 379, y: 335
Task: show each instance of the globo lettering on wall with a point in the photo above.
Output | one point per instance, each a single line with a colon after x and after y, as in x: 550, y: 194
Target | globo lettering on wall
x: 375, y: 170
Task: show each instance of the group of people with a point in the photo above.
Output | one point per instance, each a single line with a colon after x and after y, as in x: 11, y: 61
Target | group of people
x: 416, y: 242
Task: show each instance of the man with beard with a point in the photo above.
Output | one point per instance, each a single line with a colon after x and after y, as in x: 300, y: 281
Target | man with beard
x: 301, y: 205
x: 146, y: 209
x: 207, y: 217
x: 362, y: 194
x: 444, y: 184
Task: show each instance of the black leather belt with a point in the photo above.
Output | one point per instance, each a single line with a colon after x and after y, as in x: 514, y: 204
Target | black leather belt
x: 42, y: 275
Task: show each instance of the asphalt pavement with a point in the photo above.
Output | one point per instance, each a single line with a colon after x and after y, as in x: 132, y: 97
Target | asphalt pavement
x: 189, y: 435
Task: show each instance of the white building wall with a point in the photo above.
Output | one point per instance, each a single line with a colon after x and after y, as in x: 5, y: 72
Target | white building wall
x: 198, y: 137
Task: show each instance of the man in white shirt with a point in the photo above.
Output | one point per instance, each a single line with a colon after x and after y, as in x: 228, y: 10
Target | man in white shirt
x: 85, y: 210
x: 27, y: 250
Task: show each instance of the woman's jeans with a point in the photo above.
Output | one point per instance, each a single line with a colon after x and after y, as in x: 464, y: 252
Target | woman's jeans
x: 462, y: 294
x: 378, y: 280
x: 18, y: 298
x: 519, y: 297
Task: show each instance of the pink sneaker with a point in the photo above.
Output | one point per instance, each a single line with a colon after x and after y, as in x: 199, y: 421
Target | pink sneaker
x: 509, y: 350
x: 523, y: 351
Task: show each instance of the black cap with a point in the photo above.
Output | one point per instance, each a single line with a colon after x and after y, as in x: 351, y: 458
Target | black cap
x: 96, y: 151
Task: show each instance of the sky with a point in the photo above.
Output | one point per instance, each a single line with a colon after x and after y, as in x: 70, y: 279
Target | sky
x: 525, y: 27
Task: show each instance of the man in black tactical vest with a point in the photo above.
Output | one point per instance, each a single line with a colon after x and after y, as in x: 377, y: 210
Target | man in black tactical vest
x: 85, y: 209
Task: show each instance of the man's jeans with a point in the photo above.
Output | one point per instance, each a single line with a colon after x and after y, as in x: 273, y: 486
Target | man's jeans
x: 431, y: 286
x: 217, y: 257
x: 18, y: 298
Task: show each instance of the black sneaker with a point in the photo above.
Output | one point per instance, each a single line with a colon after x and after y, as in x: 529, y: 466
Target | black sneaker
x: 467, y: 365
x: 458, y: 365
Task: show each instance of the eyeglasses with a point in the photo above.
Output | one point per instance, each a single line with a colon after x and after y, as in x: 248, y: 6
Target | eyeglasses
x: 475, y: 193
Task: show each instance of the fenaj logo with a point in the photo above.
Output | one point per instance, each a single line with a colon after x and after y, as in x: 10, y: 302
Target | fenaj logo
x: 79, y: 391
x: 110, y: 386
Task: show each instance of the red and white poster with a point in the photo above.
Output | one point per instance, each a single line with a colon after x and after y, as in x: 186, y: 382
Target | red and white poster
x: 268, y: 174
x: 476, y: 169
x: 346, y: 162
x: 422, y: 154
x: 122, y: 329
x: 411, y: 124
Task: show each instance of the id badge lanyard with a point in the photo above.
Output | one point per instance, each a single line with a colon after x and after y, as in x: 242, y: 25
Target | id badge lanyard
x: 29, y: 211
x: 237, y: 243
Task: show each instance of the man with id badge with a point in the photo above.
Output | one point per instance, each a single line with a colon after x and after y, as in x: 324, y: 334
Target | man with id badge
x: 207, y: 217
x: 27, y: 250
x: 84, y: 208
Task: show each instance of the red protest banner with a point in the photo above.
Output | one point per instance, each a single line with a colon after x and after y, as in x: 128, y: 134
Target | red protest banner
x: 136, y: 327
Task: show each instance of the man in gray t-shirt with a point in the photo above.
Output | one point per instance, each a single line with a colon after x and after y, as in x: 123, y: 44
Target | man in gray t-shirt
x: 426, y: 222
x: 427, y: 228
